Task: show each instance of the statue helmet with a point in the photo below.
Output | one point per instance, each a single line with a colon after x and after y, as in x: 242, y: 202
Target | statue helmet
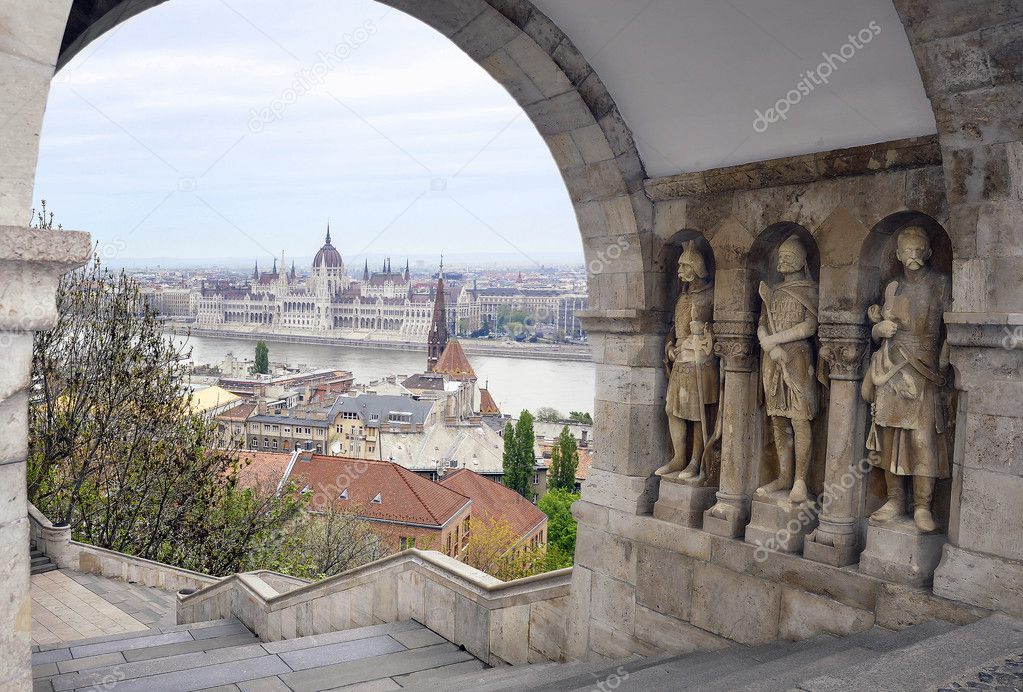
x: 692, y: 257
x: 794, y: 245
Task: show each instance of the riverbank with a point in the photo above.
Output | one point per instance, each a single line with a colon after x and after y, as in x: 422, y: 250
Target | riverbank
x: 515, y: 383
x: 562, y: 352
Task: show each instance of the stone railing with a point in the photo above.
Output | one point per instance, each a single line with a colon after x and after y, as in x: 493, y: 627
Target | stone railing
x: 55, y: 542
x: 515, y: 622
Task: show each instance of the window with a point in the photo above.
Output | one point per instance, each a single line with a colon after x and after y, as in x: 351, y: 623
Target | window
x: 406, y: 542
x: 344, y: 494
x: 273, y: 444
x: 536, y: 479
x: 377, y: 499
x: 266, y: 443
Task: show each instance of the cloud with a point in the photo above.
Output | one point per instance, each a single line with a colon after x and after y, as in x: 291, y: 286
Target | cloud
x: 168, y: 97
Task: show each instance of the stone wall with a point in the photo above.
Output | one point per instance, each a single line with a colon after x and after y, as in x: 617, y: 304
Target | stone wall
x: 642, y: 584
x: 517, y: 622
x: 55, y: 542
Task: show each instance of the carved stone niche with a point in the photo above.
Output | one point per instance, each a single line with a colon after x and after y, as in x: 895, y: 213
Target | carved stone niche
x: 794, y: 404
x: 688, y: 479
x: 905, y: 267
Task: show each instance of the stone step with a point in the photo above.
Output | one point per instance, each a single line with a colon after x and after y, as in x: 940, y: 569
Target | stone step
x: 43, y: 568
x: 34, y: 552
x: 681, y: 672
x: 826, y: 656
x: 369, y: 669
x: 478, y: 679
x: 927, y: 662
x: 224, y: 653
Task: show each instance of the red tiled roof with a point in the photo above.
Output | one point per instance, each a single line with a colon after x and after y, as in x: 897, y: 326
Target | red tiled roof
x: 487, y: 404
x: 495, y: 500
x: 454, y: 362
x: 404, y: 496
x: 261, y: 469
x: 582, y: 470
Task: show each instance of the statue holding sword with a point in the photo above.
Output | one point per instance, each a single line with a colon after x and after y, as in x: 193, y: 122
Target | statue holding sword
x: 788, y: 323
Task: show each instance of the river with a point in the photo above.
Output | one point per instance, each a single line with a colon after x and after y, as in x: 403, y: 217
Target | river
x: 515, y: 383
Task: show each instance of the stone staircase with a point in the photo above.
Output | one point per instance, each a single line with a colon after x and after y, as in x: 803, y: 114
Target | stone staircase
x: 224, y: 655
x: 40, y: 562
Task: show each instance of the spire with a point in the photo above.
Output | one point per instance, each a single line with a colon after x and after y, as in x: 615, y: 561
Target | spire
x: 275, y: 266
x: 438, y: 339
x: 255, y: 272
x: 293, y: 274
x: 388, y: 265
x: 328, y: 233
x: 407, y: 274
x: 365, y: 272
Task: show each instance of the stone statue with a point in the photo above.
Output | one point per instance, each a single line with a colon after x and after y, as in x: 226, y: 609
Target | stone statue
x: 905, y: 380
x: 788, y: 322
x: 693, y: 380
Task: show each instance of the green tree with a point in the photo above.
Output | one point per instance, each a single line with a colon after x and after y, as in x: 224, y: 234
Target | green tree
x: 262, y: 358
x: 581, y: 416
x: 510, y: 460
x: 561, y: 527
x: 115, y: 449
x: 525, y: 457
x: 564, y: 462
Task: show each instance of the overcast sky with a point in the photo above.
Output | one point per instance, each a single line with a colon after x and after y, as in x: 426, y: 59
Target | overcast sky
x: 157, y: 142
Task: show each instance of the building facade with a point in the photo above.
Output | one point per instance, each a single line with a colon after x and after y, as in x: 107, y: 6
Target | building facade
x: 382, y: 305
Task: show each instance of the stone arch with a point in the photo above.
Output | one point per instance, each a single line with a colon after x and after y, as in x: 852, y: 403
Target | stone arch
x: 561, y: 94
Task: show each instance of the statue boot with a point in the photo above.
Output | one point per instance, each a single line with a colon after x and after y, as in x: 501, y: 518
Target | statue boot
x: 923, y: 493
x: 896, y: 504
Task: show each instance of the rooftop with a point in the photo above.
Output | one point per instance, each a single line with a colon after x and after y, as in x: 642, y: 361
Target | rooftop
x: 493, y: 500
x: 379, y: 490
x: 454, y: 362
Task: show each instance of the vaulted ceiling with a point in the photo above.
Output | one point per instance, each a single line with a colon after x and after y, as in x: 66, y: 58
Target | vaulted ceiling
x: 692, y: 78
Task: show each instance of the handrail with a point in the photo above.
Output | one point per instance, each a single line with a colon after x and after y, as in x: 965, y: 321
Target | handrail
x: 423, y: 585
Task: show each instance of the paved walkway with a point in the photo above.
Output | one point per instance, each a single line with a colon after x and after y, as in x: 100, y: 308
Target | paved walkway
x: 70, y: 605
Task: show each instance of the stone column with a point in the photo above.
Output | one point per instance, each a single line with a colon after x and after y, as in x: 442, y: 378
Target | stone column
x: 968, y: 54
x: 31, y: 262
x: 837, y: 539
x: 631, y: 441
x: 739, y: 455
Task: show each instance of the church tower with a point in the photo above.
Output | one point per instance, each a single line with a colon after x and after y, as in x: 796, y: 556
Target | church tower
x: 438, y: 338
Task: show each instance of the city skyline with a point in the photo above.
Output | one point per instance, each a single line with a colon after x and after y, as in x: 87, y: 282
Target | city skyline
x: 166, y: 144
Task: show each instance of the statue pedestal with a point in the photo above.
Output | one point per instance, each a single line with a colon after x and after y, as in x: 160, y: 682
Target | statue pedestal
x: 777, y: 524
x: 683, y: 504
x: 898, y: 552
